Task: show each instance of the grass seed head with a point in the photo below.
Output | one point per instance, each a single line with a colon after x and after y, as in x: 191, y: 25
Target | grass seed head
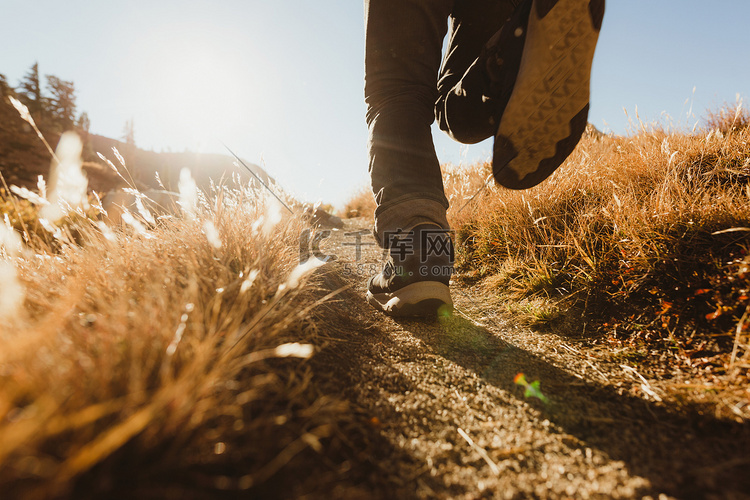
x: 68, y: 183
x: 272, y: 216
x: 22, y: 110
x: 29, y: 195
x: 10, y: 241
x: 188, y: 194
x: 212, y: 234
x: 11, y: 292
x: 302, y: 271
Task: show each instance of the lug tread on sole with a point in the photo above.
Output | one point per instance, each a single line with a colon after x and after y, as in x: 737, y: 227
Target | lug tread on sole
x: 552, y: 90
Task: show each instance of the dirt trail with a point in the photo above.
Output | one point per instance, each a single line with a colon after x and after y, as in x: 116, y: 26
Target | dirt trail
x: 442, y: 417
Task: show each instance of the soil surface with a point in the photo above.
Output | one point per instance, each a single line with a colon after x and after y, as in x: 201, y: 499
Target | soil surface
x: 436, y: 412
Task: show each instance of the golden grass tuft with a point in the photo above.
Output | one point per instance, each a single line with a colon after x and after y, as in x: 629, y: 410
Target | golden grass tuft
x: 641, y: 242
x: 361, y: 204
x: 729, y: 118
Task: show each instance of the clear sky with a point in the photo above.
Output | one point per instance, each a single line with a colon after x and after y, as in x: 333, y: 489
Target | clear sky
x: 280, y: 81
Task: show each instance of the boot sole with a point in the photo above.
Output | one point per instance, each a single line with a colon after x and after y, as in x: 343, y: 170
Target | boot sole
x: 424, y: 298
x: 548, y: 109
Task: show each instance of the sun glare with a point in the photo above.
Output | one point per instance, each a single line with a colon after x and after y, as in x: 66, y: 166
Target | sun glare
x: 193, y: 89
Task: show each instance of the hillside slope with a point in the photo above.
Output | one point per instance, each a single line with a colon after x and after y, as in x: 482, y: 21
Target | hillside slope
x: 23, y: 158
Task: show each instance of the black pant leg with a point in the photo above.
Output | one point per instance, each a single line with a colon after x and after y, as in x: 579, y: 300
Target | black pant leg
x: 403, y: 45
x: 461, y: 109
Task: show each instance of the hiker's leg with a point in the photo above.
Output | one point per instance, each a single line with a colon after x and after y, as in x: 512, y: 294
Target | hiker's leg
x: 403, y: 44
x: 471, y: 96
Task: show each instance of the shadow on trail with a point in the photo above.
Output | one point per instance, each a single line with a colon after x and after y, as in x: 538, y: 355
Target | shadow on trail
x: 691, y: 456
x: 359, y: 458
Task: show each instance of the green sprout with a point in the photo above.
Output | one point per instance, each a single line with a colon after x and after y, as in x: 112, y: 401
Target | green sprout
x: 532, y: 389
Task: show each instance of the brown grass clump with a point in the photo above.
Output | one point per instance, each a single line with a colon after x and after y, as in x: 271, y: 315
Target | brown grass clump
x: 637, y: 242
x: 464, y: 183
x: 729, y: 118
x: 164, y: 358
x: 361, y: 204
x: 461, y: 184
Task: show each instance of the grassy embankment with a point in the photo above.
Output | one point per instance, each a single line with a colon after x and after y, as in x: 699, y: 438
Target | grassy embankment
x: 162, y: 358
x: 638, y: 244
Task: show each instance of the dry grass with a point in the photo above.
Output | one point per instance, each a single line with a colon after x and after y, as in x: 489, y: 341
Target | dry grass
x: 729, y: 118
x: 164, y: 358
x: 640, y: 243
x: 361, y: 204
x: 461, y: 184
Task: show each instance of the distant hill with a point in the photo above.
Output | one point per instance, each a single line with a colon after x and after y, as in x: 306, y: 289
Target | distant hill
x: 23, y: 158
x: 144, y: 165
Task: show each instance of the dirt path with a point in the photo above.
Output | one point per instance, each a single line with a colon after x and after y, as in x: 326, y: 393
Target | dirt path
x: 442, y: 417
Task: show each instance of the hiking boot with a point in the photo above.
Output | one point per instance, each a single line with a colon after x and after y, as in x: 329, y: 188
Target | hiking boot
x: 548, y: 109
x: 416, y: 275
